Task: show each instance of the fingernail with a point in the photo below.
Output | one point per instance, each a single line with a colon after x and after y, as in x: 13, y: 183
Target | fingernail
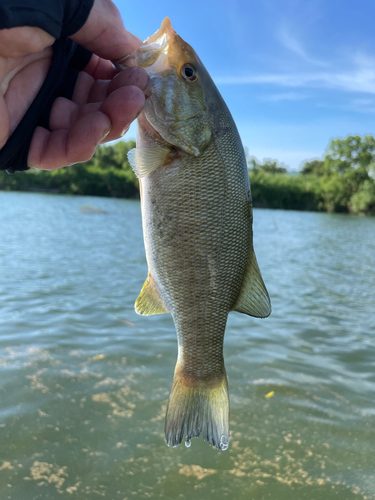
x: 124, y: 130
x: 107, y: 131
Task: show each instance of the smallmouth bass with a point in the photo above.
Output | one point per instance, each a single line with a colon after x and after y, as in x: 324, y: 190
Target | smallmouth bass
x: 197, y: 225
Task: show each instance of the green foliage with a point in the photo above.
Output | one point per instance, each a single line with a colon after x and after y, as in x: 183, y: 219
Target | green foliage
x: 270, y: 166
x: 353, y: 153
x: 343, y: 182
x: 348, y: 165
x: 363, y: 201
x: 108, y: 173
x: 313, y: 167
x: 286, y: 191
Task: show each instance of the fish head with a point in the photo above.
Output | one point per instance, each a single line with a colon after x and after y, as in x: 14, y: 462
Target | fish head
x: 176, y: 106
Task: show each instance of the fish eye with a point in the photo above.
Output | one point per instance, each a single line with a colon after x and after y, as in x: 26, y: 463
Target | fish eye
x: 189, y: 73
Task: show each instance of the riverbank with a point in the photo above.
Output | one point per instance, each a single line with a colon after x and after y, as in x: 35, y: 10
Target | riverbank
x: 321, y: 186
x: 283, y: 191
x: 108, y: 173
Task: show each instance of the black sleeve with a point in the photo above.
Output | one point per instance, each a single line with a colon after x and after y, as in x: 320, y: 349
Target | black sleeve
x: 68, y: 59
x: 59, y: 18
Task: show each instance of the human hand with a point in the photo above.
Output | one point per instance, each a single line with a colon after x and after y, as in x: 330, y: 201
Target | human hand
x: 104, y: 101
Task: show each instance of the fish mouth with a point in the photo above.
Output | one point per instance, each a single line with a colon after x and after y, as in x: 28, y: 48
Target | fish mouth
x: 167, y: 108
x: 165, y: 29
x: 152, y: 55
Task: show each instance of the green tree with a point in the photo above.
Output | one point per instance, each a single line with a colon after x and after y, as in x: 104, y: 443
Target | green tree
x: 363, y: 200
x: 353, y: 153
x: 347, y: 165
x: 313, y: 167
x: 270, y: 166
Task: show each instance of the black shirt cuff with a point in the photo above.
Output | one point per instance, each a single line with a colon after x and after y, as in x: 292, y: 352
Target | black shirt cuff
x: 68, y: 59
x: 56, y: 17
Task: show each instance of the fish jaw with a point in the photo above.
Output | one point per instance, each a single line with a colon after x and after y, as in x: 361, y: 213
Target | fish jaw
x: 163, y: 50
x: 153, y: 53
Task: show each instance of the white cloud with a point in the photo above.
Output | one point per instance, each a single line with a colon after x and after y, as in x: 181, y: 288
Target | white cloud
x: 290, y: 42
x: 359, y: 78
x: 284, y: 96
x: 366, y: 106
x: 362, y: 106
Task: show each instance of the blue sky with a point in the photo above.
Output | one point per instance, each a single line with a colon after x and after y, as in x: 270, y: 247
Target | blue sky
x: 294, y: 73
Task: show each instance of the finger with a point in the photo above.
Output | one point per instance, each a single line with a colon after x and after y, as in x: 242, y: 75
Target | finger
x: 130, y: 76
x: 98, y: 91
x: 4, y: 122
x: 25, y: 85
x: 104, y: 33
x: 83, y: 87
x: 53, y: 150
x: 65, y: 113
x: 100, y: 68
x: 19, y: 41
x: 88, y: 89
x: 122, y: 107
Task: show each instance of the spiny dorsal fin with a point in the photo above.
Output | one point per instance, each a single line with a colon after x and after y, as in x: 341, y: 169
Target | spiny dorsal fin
x: 144, y: 160
x: 149, y: 301
x: 253, y: 298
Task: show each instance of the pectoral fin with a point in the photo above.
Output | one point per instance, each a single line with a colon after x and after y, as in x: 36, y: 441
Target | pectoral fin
x: 253, y: 298
x: 149, y: 301
x: 144, y: 160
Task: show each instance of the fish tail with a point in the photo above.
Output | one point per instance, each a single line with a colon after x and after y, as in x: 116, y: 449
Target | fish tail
x: 197, y: 407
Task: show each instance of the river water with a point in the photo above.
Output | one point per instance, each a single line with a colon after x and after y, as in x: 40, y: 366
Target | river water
x: 84, y: 381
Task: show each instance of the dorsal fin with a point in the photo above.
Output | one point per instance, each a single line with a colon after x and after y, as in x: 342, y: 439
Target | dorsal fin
x: 253, y: 298
x: 149, y: 301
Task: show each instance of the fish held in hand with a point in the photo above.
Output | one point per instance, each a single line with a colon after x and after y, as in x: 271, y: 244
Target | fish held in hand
x: 197, y: 225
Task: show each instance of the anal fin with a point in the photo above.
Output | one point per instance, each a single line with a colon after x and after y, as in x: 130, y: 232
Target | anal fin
x: 149, y: 301
x: 253, y: 298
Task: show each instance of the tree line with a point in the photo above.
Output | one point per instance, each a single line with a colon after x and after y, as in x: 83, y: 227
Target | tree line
x: 108, y: 173
x: 344, y: 181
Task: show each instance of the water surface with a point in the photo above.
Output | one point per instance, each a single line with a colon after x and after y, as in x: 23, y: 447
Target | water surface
x: 84, y: 381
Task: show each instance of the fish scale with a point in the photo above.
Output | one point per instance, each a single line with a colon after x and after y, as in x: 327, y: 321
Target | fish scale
x: 197, y: 225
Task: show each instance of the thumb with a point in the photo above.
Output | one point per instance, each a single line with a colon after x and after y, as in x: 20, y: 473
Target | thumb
x: 104, y: 33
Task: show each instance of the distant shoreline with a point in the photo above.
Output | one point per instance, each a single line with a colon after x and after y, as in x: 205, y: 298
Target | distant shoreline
x: 339, y: 184
x: 272, y: 191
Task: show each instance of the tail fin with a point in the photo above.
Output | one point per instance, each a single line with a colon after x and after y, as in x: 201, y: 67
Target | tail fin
x: 196, y: 408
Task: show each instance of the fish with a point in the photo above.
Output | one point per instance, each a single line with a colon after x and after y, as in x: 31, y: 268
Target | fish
x: 197, y: 218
